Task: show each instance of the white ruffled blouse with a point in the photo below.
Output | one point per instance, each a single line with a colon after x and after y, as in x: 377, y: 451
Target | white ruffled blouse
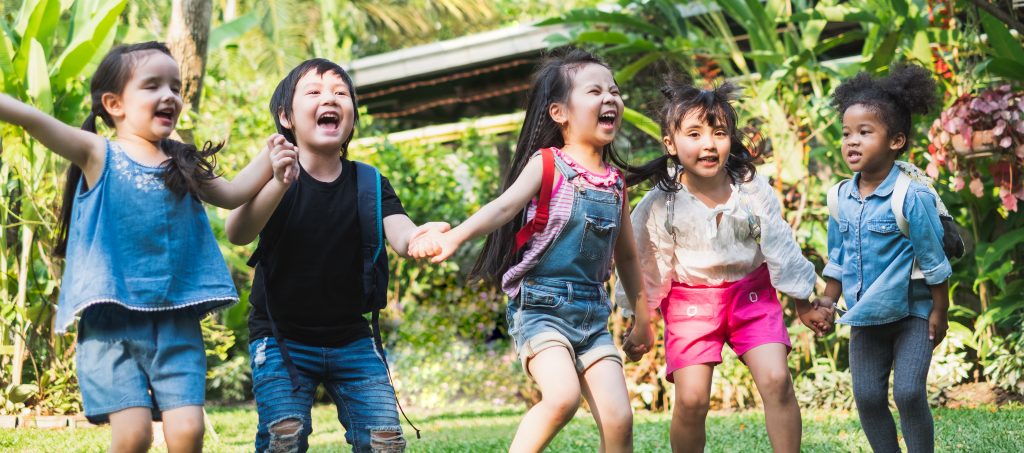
x: 705, y: 252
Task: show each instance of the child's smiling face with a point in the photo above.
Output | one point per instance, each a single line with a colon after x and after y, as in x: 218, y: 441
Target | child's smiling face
x: 866, y: 144
x: 323, y: 113
x: 702, y: 149
x: 150, y: 103
x: 593, y: 112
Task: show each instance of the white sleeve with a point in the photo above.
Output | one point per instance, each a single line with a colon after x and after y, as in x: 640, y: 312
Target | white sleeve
x: 790, y: 271
x: 654, y: 249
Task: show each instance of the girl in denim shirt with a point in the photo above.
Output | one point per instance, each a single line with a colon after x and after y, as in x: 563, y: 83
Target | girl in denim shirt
x: 558, y: 306
x: 714, y: 249
x: 895, y: 319
x: 142, y: 265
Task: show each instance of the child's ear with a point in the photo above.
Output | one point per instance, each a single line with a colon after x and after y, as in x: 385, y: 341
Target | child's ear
x: 559, y: 113
x: 670, y: 146
x: 284, y: 120
x: 113, y: 104
x: 897, y: 142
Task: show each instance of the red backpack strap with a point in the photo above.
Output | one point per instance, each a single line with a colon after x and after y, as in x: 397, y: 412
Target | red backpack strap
x: 540, y: 218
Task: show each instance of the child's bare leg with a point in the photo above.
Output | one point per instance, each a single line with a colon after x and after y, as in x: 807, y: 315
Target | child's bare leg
x: 604, y: 387
x: 693, y: 398
x: 768, y: 366
x: 131, y: 430
x: 554, y: 371
x: 183, y: 429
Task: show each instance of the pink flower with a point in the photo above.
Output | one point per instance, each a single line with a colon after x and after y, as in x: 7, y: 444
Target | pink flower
x: 1008, y: 198
x: 958, y: 183
x: 932, y: 170
x: 977, y: 188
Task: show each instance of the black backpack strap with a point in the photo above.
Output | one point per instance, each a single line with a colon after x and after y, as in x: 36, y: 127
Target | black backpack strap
x: 371, y: 222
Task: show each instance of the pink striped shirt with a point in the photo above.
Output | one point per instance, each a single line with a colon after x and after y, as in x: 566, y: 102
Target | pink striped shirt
x: 559, y: 212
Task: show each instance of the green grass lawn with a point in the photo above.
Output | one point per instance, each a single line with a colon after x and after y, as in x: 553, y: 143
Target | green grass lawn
x: 957, y: 430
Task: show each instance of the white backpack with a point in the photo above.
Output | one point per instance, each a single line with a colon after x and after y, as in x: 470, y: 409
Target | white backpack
x: 952, y: 243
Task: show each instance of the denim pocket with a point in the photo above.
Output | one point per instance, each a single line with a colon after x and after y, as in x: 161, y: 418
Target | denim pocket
x: 844, y: 225
x: 596, y: 242
x: 883, y: 226
x: 534, y: 298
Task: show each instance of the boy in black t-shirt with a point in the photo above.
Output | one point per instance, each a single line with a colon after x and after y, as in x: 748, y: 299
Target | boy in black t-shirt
x: 308, y: 290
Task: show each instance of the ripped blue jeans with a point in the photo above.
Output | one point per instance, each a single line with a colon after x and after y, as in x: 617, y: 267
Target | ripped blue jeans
x: 354, y: 377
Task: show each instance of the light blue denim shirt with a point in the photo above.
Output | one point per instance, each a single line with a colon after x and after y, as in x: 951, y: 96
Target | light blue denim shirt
x: 873, y: 260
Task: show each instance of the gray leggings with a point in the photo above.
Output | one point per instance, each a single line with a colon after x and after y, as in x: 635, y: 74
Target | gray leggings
x: 873, y: 351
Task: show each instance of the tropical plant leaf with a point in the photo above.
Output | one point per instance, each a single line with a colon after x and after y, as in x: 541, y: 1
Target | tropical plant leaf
x: 642, y: 122
x: 230, y: 31
x: 38, y: 79
x: 86, y: 43
x: 589, y: 16
x: 1003, y: 43
x: 625, y: 74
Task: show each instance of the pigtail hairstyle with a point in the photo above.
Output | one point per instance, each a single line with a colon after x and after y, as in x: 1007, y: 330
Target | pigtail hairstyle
x: 907, y: 90
x: 714, y: 105
x: 553, y: 83
x: 187, y: 166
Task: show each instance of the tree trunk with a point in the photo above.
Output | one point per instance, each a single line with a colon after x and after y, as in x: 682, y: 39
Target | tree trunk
x: 187, y: 38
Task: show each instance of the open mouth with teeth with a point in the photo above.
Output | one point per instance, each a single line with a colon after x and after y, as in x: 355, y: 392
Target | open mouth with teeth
x: 607, y: 119
x: 165, y: 114
x: 329, y: 121
x: 709, y: 160
x: 853, y: 156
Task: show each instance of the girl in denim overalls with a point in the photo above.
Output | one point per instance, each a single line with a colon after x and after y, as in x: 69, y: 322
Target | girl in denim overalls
x: 558, y: 307
x: 714, y: 250
x: 142, y: 264
x: 896, y: 318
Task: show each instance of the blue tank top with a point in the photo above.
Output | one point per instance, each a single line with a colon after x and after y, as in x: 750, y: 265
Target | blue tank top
x: 133, y: 242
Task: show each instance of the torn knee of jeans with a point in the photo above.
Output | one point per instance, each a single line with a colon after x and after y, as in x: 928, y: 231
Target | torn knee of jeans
x: 284, y: 436
x: 387, y: 440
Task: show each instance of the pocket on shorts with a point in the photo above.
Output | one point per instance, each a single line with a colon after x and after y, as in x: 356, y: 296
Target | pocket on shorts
x: 534, y: 298
x: 596, y: 242
x: 686, y: 311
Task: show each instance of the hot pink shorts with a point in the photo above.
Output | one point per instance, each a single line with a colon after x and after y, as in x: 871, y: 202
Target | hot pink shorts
x: 699, y: 320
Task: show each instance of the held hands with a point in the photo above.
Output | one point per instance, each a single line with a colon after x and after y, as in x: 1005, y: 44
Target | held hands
x: 817, y: 317
x: 637, y: 341
x: 284, y: 158
x: 435, y: 244
x: 425, y: 241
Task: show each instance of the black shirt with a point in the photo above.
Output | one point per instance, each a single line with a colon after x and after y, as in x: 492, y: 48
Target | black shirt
x: 314, y: 262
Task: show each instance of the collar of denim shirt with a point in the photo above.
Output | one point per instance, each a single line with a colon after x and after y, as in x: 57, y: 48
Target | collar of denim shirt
x: 883, y: 190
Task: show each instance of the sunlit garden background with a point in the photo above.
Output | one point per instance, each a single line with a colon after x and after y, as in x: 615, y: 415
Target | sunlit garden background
x: 443, y: 137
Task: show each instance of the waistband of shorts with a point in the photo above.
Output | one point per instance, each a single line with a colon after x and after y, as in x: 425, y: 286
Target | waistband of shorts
x: 572, y: 290
x: 758, y: 275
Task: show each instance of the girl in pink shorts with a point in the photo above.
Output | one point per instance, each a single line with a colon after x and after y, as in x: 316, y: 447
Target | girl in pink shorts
x: 714, y: 249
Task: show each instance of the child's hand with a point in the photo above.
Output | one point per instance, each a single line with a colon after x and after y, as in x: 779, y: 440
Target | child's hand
x: 446, y: 244
x: 816, y: 317
x: 423, y: 242
x: 938, y: 323
x: 638, y: 341
x: 284, y: 158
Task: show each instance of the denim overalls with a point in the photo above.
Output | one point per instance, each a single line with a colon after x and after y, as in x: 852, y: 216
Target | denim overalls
x: 562, y: 300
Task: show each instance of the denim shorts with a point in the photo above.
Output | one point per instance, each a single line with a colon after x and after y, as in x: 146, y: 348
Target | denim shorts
x: 353, y: 375
x: 553, y: 313
x: 129, y: 358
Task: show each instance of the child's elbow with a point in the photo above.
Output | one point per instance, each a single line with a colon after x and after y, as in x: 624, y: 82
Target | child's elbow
x: 234, y: 233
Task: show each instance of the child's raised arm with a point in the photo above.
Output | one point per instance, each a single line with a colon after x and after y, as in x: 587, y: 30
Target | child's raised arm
x: 246, y: 222
x: 83, y: 148
x: 493, y: 215
x: 231, y: 194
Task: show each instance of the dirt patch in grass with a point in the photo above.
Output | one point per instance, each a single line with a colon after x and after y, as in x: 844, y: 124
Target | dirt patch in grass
x: 976, y: 394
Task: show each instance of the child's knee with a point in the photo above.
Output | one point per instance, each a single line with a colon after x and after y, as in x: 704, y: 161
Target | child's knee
x: 777, y: 386
x: 285, y: 435
x: 389, y: 440
x: 689, y: 404
x: 185, y: 428
x: 133, y: 440
x: 564, y: 406
x: 909, y: 397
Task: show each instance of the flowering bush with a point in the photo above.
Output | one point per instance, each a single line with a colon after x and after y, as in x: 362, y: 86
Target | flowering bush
x: 989, y: 123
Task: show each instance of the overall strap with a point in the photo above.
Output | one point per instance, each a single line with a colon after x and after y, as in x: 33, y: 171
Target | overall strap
x: 540, y: 218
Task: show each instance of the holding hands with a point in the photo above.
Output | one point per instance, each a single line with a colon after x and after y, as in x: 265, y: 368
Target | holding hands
x: 818, y: 316
x: 284, y: 158
x: 434, y: 243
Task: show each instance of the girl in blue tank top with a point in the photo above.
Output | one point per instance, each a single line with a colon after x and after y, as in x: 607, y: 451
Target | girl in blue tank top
x: 142, y: 265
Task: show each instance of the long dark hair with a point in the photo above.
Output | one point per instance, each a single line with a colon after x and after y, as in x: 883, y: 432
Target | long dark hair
x: 281, y: 101
x: 185, y: 170
x: 907, y: 90
x: 553, y: 83
x: 714, y: 105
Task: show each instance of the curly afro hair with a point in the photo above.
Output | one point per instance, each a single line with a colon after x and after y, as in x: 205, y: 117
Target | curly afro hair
x: 907, y: 90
